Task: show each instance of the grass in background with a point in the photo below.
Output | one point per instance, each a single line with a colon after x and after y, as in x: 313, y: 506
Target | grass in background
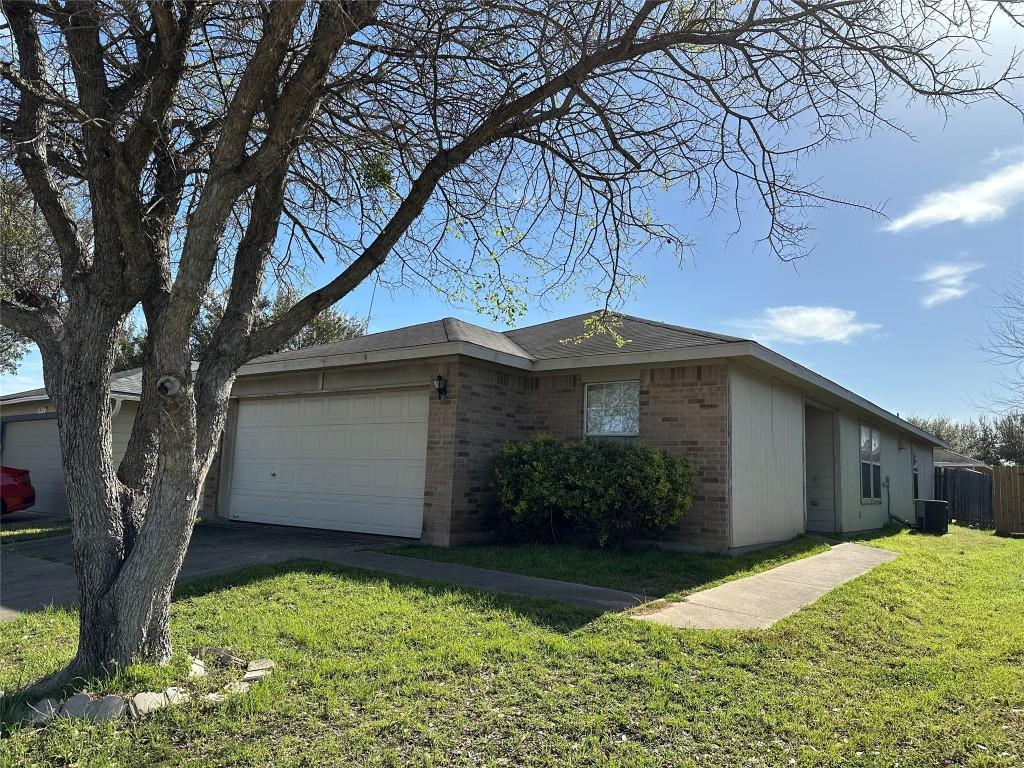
x: 918, y: 663
x: 26, y: 530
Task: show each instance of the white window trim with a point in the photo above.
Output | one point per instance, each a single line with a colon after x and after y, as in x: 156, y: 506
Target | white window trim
x: 860, y: 461
x: 586, y: 399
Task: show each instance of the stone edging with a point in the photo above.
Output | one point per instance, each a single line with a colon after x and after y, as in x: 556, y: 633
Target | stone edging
x: 112, y: 707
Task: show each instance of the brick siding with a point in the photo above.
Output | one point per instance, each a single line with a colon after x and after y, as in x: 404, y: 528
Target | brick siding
x: 438, y: 491
x: 683, y: 410
x: 208, y: 505
x: 492, y: 410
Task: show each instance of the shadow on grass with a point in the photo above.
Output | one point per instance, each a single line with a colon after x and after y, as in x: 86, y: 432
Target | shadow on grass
x: 550, y: 615
x: 649, y: 571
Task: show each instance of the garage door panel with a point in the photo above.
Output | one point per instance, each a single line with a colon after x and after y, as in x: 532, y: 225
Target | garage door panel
x: 347, y: 462
x: 35, y: 445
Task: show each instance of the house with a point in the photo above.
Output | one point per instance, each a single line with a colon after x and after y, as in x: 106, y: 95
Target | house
x: 394, y: 433
x: 952, y: 460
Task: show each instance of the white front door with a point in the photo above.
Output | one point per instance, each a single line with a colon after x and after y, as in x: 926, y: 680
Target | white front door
x: 345, y: 462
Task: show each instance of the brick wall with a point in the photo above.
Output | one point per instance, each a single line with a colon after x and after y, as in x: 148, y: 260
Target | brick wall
x: 683, y: 410
x: 493, y: 408
x: 556, y: 405
x: 438, y: 491
x: 208, y: 505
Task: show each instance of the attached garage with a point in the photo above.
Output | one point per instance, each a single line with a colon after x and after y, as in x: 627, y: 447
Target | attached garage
x: 350, y: 462
x: 32, y: 442
x: 35, y: 445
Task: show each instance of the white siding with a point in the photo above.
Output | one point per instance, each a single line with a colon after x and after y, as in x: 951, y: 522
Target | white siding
x: 859, y: 515
x: 121, y: 430
x: 821, y: 476
x: 767, y: 425
x: 926, y: 471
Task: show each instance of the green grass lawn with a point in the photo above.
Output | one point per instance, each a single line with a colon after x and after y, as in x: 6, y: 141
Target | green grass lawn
x: 33, y: 529
x: 918, y: 663
x: 646, y: 571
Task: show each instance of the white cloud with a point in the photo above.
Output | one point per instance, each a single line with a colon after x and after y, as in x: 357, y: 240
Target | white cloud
x: 802, y: 325
x: 984, y: 200
x: 1002, y: 153
x: 946, y: 282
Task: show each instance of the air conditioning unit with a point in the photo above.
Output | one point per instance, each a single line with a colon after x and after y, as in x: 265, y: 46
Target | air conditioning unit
x: 932, y: 515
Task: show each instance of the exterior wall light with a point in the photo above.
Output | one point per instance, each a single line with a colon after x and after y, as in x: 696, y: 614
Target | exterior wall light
x: 441, y: 386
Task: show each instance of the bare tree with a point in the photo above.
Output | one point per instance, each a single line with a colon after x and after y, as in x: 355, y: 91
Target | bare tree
x: 1006, y: 344
x: 491, y: 149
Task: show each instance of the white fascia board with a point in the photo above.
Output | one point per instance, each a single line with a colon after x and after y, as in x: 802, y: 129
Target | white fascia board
x: 46, y: 398
x: 18, y: 400
x: 443, y: 349
x: 783, y: 363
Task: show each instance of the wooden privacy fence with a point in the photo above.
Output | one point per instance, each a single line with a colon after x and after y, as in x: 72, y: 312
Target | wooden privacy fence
x: 1008, y: 499
x: 969, y: 494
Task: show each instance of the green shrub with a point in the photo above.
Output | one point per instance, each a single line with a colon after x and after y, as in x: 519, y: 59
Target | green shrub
x: 602, y: 491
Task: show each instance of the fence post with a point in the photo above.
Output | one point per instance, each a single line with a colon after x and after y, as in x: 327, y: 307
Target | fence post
x: 1008, y: 499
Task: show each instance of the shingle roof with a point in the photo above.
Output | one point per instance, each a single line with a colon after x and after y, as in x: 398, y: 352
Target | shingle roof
x: 558, y: 338
x: 121, y: 383
x: 951, y: 459
x: 434, y: 332
x: 545, y: 341
x: 551, y: 340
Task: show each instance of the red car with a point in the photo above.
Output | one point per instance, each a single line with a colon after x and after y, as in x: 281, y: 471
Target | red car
x: 16, y: 490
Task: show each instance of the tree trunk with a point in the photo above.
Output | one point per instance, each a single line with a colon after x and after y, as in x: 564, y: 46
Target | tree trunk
x: 129, y: 542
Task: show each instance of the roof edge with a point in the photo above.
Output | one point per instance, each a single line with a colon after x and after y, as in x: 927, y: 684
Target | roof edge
x: 802, y: 372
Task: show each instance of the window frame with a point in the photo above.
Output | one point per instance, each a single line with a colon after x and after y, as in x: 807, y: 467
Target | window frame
x: 586, y: 405
x: 870, y: 461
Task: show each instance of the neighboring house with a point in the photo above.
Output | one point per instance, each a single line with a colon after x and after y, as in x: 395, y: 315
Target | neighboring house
x: 947, y: 458
x: 29, y: 438
x: 353, y: 435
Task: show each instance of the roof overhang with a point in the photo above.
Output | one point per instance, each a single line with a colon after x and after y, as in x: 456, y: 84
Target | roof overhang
x: 750, y: 353
x: 396, y: 354
x: 816, y: 387
x: 43, y: 397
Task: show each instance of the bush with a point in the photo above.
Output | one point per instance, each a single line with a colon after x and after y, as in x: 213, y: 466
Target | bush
x: 602, y: 491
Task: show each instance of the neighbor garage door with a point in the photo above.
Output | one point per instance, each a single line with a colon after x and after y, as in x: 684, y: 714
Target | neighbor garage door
x: 346, y: 462
x: 35, y: 445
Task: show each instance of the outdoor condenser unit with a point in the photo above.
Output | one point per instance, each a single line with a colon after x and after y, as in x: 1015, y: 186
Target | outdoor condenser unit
x: 932, y: 515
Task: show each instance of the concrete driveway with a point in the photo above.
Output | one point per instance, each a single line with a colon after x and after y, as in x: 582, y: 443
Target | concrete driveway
x: 34, y: 574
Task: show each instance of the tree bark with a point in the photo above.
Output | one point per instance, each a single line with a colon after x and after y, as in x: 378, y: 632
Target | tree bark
x: 130, y: 532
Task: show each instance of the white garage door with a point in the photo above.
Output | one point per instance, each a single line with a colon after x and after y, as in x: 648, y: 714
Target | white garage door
x: 346, y: 462
x: 35, y: 446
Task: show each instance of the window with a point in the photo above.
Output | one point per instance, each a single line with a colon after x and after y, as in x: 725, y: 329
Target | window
x: 870, y: 464
x: 913, y: 462
x: 612, y: 408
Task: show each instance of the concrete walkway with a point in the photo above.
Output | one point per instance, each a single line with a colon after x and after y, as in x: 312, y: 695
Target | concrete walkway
x: 760, y: 600
x: 34, y: 574
x: 29, y: 584
x: 582, y: 595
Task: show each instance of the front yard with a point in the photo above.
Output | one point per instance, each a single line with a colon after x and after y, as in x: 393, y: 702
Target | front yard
x: 644, y: 571
x: 918, y: 663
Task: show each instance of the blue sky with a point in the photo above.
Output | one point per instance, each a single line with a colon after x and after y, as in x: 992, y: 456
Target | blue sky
x: 895, y: 310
